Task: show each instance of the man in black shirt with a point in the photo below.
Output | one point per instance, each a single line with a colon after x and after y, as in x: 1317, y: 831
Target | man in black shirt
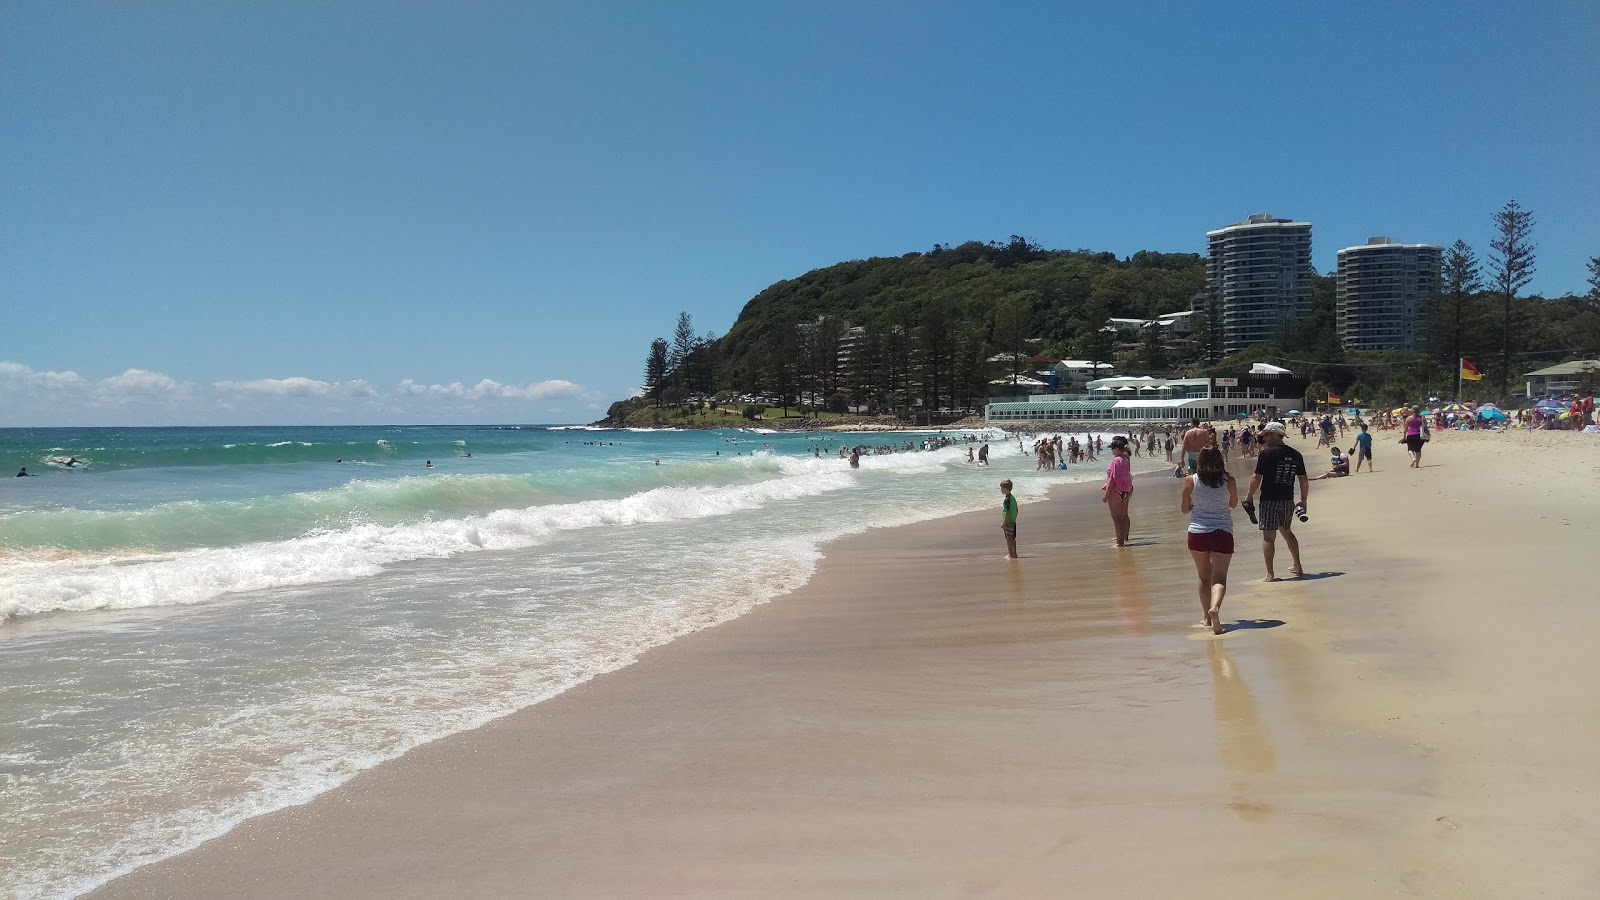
x: 1277, y: 469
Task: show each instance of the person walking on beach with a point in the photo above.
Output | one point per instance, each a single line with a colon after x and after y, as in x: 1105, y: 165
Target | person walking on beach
x: 1118, y: 489
x: 1209, y: 498
x: 1278, y: 468
x: 1416, y: 434
x: 1363, y: 448
x: 1195, y: 439
x: 1008, y: 518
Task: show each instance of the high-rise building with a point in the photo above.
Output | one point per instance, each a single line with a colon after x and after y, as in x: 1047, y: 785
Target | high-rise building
x: 1382, y: 287
x: 1259, y: 274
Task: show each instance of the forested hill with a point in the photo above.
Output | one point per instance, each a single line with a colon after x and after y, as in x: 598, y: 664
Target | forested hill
x: 977, y: 292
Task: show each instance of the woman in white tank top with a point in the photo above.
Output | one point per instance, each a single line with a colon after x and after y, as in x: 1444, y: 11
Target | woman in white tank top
x: 1209, y: 497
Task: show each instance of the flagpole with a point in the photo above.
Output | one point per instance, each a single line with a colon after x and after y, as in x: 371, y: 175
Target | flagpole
x: 1459, y: 369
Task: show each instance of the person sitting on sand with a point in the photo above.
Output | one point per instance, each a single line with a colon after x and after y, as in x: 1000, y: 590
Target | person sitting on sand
x: 1339, y: 465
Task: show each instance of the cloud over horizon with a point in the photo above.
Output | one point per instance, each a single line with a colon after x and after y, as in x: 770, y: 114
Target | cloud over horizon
x: 141, y: 396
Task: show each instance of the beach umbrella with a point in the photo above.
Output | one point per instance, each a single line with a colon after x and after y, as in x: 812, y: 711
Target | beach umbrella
x: 1293, y: 412
x: 1352, y: 411
x: 1456, y: 408
x: 1491, y: 414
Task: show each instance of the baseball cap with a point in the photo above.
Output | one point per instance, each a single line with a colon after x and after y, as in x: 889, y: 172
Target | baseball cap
x: 1272, y: 428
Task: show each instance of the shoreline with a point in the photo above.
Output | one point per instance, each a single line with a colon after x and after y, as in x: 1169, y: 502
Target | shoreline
x: 1006, y: 713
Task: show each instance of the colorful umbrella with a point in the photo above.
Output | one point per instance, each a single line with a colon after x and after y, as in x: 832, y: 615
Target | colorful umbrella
x: 1456, y: 408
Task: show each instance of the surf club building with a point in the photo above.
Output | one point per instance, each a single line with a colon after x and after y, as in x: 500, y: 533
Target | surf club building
x: 1148, y: 400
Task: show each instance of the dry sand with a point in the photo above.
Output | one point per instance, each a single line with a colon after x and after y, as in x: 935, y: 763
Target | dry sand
x: 925, y: 719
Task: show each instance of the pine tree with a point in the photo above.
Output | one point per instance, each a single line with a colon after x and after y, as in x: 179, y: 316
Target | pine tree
x: 1512, y: 269
x: 655, y: 369
x: 683, y: 341
x: 1449, y: 319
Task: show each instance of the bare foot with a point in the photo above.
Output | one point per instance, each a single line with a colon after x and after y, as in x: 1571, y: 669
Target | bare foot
x: 1295, y: 572
x: 1270, y: 578
x: 1214, y: 616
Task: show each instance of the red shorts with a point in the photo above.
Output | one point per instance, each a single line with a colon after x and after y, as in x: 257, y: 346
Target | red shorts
x: 1211, y: 542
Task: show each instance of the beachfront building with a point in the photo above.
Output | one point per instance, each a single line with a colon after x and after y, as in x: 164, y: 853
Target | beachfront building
x: 1259, y: 276
x: 1582, y: 376
x: 1382, y: 287
x: 1146, y: 399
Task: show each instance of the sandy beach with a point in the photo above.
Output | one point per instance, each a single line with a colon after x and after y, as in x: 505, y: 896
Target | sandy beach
x: 1419, y: 717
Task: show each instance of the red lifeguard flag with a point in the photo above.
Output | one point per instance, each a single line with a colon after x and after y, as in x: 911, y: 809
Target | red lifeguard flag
x: 1469, y: 372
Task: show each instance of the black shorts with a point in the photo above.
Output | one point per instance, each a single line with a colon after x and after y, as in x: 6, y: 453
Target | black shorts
x: 1414, y: 443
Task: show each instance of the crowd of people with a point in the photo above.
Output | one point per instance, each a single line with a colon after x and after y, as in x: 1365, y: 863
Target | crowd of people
x: 1210, y: 492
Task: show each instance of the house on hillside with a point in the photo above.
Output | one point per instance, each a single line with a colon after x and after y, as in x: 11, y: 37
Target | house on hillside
x: 1581, y: 376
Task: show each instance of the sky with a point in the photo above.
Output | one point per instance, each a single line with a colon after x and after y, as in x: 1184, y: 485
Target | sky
x: 377, y: 212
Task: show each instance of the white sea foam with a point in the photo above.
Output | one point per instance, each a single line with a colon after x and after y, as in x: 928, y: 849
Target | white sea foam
x: 195, y: 576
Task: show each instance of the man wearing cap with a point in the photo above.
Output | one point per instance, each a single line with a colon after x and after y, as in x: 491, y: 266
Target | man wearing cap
x: 1277, y: 469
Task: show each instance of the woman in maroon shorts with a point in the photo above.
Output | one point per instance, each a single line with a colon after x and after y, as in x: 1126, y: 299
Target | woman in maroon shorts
x: 1209, y: 497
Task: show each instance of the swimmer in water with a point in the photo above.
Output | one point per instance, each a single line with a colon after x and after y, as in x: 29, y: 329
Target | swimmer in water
x: 429, y: 464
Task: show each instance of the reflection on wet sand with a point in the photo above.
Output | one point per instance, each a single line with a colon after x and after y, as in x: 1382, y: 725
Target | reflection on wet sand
x: 1242, y: 738
x: 1014, y: 579
x: 1131, y: 598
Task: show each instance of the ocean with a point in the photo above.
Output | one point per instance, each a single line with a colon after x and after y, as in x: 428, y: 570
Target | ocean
x: 200, y: 625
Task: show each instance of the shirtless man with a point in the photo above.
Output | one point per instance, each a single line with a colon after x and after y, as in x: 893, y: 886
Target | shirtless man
x: 1195, y: 439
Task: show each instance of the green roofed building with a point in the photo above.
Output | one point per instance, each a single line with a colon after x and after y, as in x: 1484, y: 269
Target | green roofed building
x: 1154, y: 400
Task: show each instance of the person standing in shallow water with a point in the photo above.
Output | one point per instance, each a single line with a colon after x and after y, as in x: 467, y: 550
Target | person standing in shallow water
x: 1008, y: 518
x: 1278, y: 468
x: 1209, y: 498
x: 1118, y: 489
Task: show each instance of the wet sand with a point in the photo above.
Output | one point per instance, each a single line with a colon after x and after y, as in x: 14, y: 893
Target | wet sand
x: 924, y: 718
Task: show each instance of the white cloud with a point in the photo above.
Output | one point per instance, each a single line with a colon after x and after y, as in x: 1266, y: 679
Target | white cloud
x: 147, y: 397
x: 21, y: 377
x: 137, y: 381
x: 488, y: 388
x: 297, y: 387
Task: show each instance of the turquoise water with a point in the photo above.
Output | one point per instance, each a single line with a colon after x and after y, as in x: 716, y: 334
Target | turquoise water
x: 199, y: 625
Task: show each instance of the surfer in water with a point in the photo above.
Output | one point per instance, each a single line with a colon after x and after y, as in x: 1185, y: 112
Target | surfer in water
x: 24, y: 473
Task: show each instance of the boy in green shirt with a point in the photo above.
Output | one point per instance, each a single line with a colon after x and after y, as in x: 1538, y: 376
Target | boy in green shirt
x: 1008, y: 523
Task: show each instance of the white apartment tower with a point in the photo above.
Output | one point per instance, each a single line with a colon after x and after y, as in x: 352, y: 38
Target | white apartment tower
x: 1259, y: 275
x: 1382, y: 288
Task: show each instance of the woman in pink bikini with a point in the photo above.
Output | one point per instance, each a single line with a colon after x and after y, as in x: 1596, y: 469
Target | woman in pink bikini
x: 1118, y: 489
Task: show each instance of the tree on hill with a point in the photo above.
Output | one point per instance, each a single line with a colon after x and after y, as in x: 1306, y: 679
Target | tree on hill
x: 1152, y: 351
x: 1095, y: 344
x: 655, y: 370
x: 1511, y: 266
x: 683, y: 342
x: 1013, y: 321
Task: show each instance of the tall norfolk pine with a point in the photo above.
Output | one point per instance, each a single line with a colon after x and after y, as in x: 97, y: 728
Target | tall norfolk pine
x: 1512, y: 268
x: 1452, y: 317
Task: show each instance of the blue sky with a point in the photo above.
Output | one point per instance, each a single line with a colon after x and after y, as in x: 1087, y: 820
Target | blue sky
x: 374, y: 211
